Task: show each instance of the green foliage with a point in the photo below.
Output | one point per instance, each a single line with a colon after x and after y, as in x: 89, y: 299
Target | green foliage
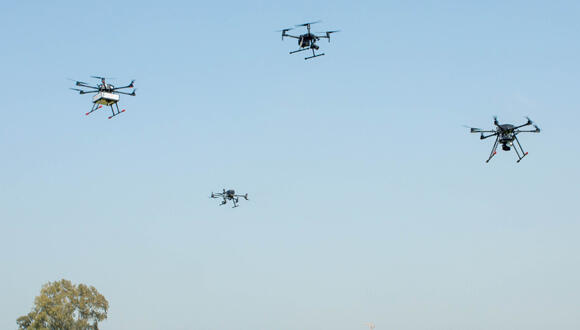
x: 64, y: 306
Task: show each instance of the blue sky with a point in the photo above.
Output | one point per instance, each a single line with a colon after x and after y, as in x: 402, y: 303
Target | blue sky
x: 369, y: 200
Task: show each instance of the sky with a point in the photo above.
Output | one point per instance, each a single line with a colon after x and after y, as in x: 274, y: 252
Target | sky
x: 369, y: 201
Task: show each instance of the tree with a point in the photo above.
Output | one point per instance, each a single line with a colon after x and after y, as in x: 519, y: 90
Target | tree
x: 64, y: 306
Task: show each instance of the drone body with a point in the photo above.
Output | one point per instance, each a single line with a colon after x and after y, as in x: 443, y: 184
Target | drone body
x: 308, y: 40
x: 106, y: 94
x: 229, y: 195
x: 506, y: 135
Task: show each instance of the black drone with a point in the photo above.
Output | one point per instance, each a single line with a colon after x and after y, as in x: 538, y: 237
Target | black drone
x: 106, y: 94
x: 308, y: 40
x: 505, y: 135
x: 229, y: 195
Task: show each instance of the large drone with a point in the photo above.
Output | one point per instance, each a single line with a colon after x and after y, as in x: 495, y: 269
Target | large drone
x: 229, y: 195
x: 106, y: 94
x: 505, y: 135
x: 308, y: 40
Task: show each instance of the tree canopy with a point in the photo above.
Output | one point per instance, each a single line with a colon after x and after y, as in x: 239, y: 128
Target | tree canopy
x: 65, y: 306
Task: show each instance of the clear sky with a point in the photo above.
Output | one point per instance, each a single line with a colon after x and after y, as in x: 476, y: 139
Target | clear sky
x: 369, y: 200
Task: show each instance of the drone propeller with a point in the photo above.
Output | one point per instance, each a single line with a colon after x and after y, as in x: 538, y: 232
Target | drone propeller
x: 309, y: 23
x: 102, y: 78
x: 82, y: 91
x: 133, y: 93
x: 78, y: 83
x: 328, y: 33
x: 473, y: 129
x: 530, y: 122
x: 284, y: 31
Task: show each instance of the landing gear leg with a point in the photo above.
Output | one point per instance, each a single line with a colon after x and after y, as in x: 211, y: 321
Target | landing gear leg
x: 95, y: 107
x: 524, y: 154
x: 493, y: 150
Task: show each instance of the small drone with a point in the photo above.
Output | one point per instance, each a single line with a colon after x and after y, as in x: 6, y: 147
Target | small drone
x: 506, y: 134
x: 107, y: 94
x: 229, y: 195
x: 308, y: 40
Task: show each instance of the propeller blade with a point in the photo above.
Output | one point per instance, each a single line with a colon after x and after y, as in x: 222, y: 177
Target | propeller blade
x: 309, y: 23
x: 82, y: 91
x: 133, y: 94
x: 529, y: 120
x: 101, y: 78
x: 473, y: 129
x: 284, y: 32
x: 328, y: 32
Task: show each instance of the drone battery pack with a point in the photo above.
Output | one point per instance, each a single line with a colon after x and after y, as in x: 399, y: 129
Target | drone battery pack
x: 106, y: 98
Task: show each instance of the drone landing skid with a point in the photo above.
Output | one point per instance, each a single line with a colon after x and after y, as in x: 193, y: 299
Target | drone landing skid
x: 299, y: 50
x: 116, y: 113
x: 313, y: 56
x: 309, y: 57
x: 93, y: 109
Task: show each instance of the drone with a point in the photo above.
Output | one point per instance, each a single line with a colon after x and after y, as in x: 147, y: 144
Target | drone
x: 229, y: 195
x: 505, y: 135
x: 308, y: 40
x: 106, y: 94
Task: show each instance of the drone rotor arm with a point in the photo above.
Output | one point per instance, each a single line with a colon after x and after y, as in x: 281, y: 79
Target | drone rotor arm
x: 537, y: 130
x: 483, y: 137
x: 83, y: 91
x: 85, y: 85
x: 131, y: 85
x: 326, y: 34
x: 124, y: 93
x: 528, y: 123
x: 478, y: 130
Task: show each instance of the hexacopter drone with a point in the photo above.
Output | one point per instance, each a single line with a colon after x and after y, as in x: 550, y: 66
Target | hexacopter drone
x: 308, y: 40
x: 505, y: 135
x: 229, y: 195
x: 106, y: 94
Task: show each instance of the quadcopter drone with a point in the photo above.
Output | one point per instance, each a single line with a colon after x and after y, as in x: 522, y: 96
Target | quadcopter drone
x: 308, y: 40
x: 505, y: 135
x: 229, y: 195
x: 106, y: 94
